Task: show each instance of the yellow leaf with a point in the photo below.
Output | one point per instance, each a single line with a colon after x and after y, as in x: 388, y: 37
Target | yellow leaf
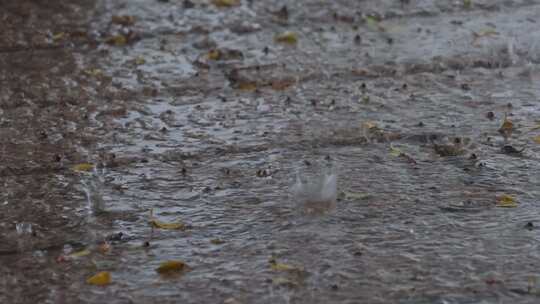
x: 100, y: 279
x: 217, y: 241
x: 162, y: 225
x: 536, y: 139
x: 123, y: 20
x: 58, y: 36
x: 282, y: 267
x: 170, y: 267
x: 247, y: 86
x: 93, y: 72
x: 214, y: 55
x: 226, y: 3
x: 506, y: 201
x: 369, y: 125
x: 395, y: 152
x: 281, y: 281
x: 79, y: 254
x: 84, y: 167
x: 507, y: 125
x: 118, y: 40
x: 287, y: 37
x: 140, y: 60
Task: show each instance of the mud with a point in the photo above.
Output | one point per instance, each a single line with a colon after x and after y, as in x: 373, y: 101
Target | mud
x: 197, y: 113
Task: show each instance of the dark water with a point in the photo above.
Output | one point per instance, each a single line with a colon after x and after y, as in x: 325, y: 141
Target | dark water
x: 173, y: 131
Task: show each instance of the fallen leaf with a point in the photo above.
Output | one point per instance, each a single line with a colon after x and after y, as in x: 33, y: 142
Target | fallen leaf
x: 536, y: 139
x: 281, y: 281
x: 226, y: 3
x: 104, y: 247
x: 287, y: 37
x: 101, y: 278
x: 140, y: 60
x: 374, y: 23
x: 171, y: 226
x: 217, y: 241
x: 59, y: 36
x: 355, y: 195
x: 163, y: 225
x: 283, y: 267
x: 214, y: 54
x: 93, y: 72
x: 506, y: 201
x: 369, y: 125
x: 171, y: 267
x: 117, y: 40
x: 467, y: 4
x: 78, y: 254
x: 507, y: 127
x: 247, y: 86
x: 84, y: 167
x: 395, y: 151
x: 124, y: 20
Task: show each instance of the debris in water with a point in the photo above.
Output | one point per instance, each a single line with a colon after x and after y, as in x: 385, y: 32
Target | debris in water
x: 506, y: 201
x: 85, y: 167
x: 226, y: 3
x: 506, y: 128
x: 287, y: 37
x: 100, y: 279
x: 124, y: 20
x: 163, y: 225
x: 508, y: 149
x: 171, y: 267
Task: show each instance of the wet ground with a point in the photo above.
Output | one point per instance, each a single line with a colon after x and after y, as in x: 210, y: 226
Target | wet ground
x: 204, y: 115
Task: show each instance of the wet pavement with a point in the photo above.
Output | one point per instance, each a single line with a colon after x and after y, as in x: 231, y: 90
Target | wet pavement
x: 198, y: 113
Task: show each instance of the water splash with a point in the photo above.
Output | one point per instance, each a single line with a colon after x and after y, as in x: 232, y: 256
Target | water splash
x: 92, y: 186
x: 317, y: 193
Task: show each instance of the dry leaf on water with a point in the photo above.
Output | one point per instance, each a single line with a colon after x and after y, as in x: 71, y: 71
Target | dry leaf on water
x: 171, y: 267
x: 163, y: 225
x: 100, y: 279
x: 226, y: 3
x: 275, y: 265
x: 287, y: 37
x: 124, y: 20
x: 536, y: 139
x: 84, y: 167
x: 506, y: 201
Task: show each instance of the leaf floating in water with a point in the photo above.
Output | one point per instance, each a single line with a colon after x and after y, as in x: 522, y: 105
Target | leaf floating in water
x: 467, y: 4
x: 117, y: 40
x: 79, y: 254
x: 84, y: 167
x: 140, y: 60
x: 247, y: 86
x: 93, y: 72
x: 395, y: 152
x: 214, y: 54
x: 507, y: 127
x: 355, y: 195
x: 163, y: 225
x: 276, y: 266
x: 171, y: 267
x: 59, y: 36
x: 287, y: 37
x: 281, y: 281
x: 536, y: 139
x: 100, y: 279
x: 506, y: 201
x: 226, y: 3
x: 217, y: 241
x: 171, y: 226
x: 125, y: 20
